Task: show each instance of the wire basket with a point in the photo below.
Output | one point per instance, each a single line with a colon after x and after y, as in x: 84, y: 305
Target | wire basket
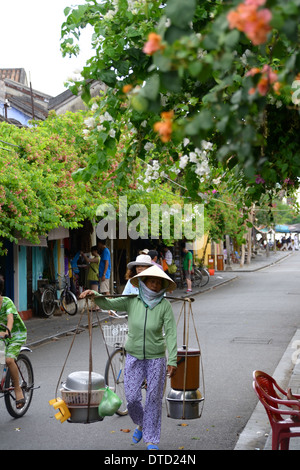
x: 81, y: 399
x: 115, y: 334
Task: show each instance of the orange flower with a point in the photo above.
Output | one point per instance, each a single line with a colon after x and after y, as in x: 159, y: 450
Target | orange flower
x: 153, y: 44
x: 164, y: 127
x: 268, y: 78
x: 276, y: 88
x: 253, y: 72
x: 252, y: 21
x: 126, y: 88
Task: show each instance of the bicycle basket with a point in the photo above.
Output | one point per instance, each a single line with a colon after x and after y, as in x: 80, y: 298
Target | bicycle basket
x: 115, y: 334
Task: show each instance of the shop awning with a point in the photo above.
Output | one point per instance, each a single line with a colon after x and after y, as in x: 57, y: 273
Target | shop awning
x: 24, y: 242
x: 58, y: 233
x: 282, y: 228
x: 294, y: 228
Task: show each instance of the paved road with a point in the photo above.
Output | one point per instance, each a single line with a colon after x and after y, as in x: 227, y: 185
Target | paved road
x: 244, y: 325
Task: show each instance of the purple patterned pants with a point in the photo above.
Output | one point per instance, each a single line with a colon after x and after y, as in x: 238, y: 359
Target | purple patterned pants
x: 149, y: 417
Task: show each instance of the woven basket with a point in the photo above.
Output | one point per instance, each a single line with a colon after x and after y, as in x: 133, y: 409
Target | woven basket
x: 79, y: 398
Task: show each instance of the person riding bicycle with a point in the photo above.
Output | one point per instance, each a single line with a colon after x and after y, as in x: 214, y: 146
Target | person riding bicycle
x: 151, y: 329
x: 11, y: 318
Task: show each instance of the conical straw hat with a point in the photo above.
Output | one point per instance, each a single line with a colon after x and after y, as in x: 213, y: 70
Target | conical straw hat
x: 154, y: 271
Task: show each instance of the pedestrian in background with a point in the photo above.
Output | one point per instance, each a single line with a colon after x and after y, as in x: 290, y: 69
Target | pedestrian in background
x: 187, y: 268
x: 93, y: 272
x: 154, y: 258
x: 141, y: 263
x: 104, y: 266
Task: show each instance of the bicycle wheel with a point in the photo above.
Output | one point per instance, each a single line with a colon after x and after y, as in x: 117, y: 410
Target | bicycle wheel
x: 114, y: 377
x: 26, y: 383
x: 48, y: 302
x: 69, y: 302
x: 205, y: 277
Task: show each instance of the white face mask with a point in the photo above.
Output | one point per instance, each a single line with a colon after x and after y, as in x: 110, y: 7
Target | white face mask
x: 149, y: 297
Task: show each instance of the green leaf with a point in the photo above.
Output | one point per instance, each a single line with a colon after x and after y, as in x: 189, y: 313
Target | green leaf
x: 171, y: 81
x: 151, y: 88
x: 174, y: 33
x: 203, y: 121
x: 180, y: 12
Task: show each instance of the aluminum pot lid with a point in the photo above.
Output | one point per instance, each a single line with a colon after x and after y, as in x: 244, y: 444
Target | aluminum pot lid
x: 79, y: 381
x: 181, y: 395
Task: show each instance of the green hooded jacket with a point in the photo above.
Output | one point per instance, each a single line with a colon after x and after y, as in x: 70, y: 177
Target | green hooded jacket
x: 146, y: 327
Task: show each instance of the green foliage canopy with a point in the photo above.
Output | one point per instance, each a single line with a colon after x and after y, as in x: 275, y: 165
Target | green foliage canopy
x: 237, y: 89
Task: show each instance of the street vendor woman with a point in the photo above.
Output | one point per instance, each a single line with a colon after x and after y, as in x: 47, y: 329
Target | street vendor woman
x: 152, y: 329
x: 10, y: 317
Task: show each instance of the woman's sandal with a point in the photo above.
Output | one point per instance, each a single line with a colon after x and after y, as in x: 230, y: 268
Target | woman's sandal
x: 137, y: 436
x: 152, y: 447
x: 20, y: 403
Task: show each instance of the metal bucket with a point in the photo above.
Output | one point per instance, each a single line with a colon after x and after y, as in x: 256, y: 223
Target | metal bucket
x: 184, y: 405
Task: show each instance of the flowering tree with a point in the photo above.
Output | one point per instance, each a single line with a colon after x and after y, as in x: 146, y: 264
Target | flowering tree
x: 37, y: 192
x: 209, y: 90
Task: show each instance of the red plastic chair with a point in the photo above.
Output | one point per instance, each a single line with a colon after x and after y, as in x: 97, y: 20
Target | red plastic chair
x: 283, y: 429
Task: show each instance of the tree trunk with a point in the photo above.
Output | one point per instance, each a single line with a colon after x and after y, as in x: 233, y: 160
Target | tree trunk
x: 242, y: 262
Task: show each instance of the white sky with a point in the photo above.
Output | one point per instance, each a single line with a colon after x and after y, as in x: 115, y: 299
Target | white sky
x: 30, y: 38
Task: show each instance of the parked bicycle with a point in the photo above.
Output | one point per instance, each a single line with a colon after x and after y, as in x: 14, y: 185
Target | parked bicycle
x: 115, y: 336
x: 67, y: 300
x: 200, y: 277
x: 25, y: 378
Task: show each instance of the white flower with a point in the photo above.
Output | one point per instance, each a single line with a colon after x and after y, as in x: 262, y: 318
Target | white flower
x: 206, y: 145
x: 217, y: 180
x: 94, y: 107
x: 90, y: 122
x: 100, y: 128
x: 202, y: 168
x: 186, y: 141
x: 112, y: 133
x: 155, y: 165
x: 109, y: 15
x: 183, y: 162
x: 148, y: 146
x: 163, y: 174
x: 193, y: 157
x: 144, y: 123
x: 105, y: 117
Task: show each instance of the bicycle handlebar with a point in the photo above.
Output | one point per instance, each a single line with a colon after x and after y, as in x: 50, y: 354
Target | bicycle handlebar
x: 8, y: 334
x: 113, y: 313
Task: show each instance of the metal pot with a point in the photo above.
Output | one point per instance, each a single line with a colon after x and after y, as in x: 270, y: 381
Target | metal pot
x: 184, y: 404
x: 80, y: 381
